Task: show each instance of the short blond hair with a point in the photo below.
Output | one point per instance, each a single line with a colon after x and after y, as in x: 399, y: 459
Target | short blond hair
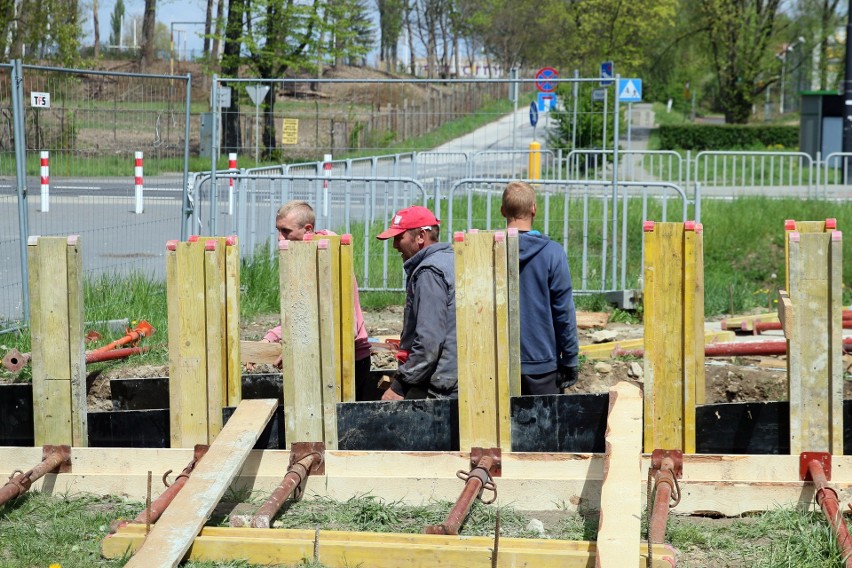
x: 518, y: 201
x: 304, y: 212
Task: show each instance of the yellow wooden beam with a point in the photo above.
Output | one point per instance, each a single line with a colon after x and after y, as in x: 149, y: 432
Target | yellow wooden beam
x: 215, y: 302
x: 329, y: 348
x: 58, y: 359
x: 380, y: 550
x: 232, y: 321
x: 172, y: 536
x: 345, y: 330
x: 513, y: 299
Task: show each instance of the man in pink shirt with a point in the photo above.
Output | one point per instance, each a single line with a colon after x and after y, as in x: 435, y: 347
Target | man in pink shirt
x: 294, y: 220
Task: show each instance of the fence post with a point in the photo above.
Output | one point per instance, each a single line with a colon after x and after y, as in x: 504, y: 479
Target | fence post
x: 21, y: 180
x: 45, y: 181
x: 138, y: 192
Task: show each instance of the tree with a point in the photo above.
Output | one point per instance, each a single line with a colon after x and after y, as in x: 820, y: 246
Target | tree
x: 115, y: 23
x: 96, y: 26
x: 391, y: 19
x: 231, y: 136
x: 740, y: 35
x: 149, y: 19
x: 818, y: 20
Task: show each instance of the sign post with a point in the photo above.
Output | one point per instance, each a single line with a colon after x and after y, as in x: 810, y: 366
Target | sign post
x: 257, y: 93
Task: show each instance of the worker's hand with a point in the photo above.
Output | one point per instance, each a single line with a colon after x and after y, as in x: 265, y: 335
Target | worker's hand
x: 568, y: 376
x: 391, y: 395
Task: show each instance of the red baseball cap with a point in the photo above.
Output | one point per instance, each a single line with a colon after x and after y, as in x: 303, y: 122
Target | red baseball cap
x: 413, y: 217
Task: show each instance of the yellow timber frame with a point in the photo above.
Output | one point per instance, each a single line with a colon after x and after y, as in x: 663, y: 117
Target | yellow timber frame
x: 674, y: 333
x: 203, y: 299
x: 488, y: 332
x: 811, y: 316
x: 56, y: 328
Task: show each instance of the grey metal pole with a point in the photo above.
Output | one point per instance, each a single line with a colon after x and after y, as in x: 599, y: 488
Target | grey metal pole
x: 21, y: 182
x: 214, y: 154
x: 576, y: 99
x: 187, y: 209
x: 615, y: 183
x: 514, y: 88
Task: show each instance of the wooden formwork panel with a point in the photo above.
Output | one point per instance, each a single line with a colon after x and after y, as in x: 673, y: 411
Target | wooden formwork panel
x: 674, y: 334
x: 812, y: 319
x: 488, y: 364
x: 56, y: 330
x: 310, y: 355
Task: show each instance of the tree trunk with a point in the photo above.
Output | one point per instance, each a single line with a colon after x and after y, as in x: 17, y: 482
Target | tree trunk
x: 269, y: 139
x: 220, y: 24
x: 208, y: 24
x: 95, y: 26
x: 231, y: 135
x: 149, y: 20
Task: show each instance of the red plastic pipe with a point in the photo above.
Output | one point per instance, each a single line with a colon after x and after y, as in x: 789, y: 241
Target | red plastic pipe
x: 22, y: 482
x: 292, y: 480
x: 733, y: 349
x: 827, y: 499
x: 476, y: 480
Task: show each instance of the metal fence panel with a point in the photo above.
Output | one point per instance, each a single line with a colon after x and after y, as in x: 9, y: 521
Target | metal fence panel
x: 11, y: 299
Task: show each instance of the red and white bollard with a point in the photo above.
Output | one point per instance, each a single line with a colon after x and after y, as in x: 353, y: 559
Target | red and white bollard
x: 232, y: 165
x: 45, y: 182
x: 326, y: 166
x: 138, y: 173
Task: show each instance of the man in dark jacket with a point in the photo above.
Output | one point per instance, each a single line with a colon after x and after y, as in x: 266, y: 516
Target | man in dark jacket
x: 549, y: 344
x: 428, y: 362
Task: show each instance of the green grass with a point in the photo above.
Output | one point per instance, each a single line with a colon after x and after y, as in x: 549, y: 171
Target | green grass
x: 39, y: 530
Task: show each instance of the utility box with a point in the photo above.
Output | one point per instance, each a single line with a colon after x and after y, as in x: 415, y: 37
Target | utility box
x: 821, y: 125
x: 205, y: 149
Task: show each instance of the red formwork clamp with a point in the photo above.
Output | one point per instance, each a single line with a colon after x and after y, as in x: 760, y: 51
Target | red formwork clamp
x: 458, y: 236
x: 486, y: 464
x: 346, y: 239
x: 55, y: 459
x: 816, y: 467
x: 666, y: 469
x: 647, y: 226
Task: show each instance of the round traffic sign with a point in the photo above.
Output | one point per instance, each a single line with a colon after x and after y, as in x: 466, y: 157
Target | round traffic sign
x: 544, y: 79
x: 533, y: 113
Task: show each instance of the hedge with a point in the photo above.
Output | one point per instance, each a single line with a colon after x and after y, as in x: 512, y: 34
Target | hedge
x: 725, y: 136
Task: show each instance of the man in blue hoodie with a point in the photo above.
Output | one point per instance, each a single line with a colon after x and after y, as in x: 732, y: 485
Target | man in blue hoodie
x: 427, y: 356
x: 549, y: 344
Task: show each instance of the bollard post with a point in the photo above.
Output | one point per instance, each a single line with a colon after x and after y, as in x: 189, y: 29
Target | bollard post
x: 45, y: 182
x: 534, y: 163
x: 138, y: 208
x: 232, y: 165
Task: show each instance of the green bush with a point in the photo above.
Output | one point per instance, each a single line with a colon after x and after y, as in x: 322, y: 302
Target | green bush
x: 726, y: 136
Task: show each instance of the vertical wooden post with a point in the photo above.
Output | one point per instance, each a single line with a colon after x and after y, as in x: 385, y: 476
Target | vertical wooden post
x: 216, y: 351
x: 56, y: 329
x: 485, y: 300
x: 186, y: 294
x: 232, y: 321
x: 309, y: 352
x: 345, y: 330
x: 812, y: 320
x: 674, y: 338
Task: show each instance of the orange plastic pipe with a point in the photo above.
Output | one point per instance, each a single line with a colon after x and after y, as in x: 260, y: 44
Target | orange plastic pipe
x: 143, y: 329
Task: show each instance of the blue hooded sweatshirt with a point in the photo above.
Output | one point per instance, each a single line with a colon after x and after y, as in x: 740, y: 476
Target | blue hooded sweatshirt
x: 548, y: 318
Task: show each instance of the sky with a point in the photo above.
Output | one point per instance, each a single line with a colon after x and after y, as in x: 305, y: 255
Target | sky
x: 168, y: 11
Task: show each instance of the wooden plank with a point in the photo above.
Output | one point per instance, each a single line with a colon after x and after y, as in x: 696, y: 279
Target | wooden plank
x: 337, y: 310
x: 172, y: 536
x: 188, y: 363
x: 346, y: 362
x: 232, y: 321
x: 621, y: 493
x: 259, y: 352
x: 785, y: 313
x: 52, y: 369
x: 329, y: 349
x: 380, y: 550
x: 651, y: 279
x: 837, y: 370
x: 36, y: 337
x: 215, y: 306
x: 514, y: 302
x: 77, y: 349
x: 607, y: 350
x: 300, y: 336
x: 501, y: 343
x: 475, y: 328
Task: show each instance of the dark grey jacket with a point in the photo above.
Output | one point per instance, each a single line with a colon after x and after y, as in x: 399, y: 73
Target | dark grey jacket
x: 429, y: 324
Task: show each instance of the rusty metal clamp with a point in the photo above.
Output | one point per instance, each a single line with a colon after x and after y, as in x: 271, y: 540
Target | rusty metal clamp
x: 484, y: 477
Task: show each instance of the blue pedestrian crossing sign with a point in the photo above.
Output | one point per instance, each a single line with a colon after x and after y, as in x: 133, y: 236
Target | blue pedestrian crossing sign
x: 630, y: 90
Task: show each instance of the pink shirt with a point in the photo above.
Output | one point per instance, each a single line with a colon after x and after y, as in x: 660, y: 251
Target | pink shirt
x: 362, y: 344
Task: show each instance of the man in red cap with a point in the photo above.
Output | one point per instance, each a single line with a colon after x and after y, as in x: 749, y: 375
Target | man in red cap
x: 428, y: 362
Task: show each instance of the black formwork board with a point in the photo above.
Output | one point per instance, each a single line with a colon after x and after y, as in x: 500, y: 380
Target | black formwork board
x: 424, y: 425
x: 145, y: 393
x: 16, y: 415
x: 559, y: 423
x: 744, y: 428
x: 129, y: 429
x: 272, y: 437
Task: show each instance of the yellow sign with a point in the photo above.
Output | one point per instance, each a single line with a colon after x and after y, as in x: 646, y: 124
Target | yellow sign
x: 290, y: 131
